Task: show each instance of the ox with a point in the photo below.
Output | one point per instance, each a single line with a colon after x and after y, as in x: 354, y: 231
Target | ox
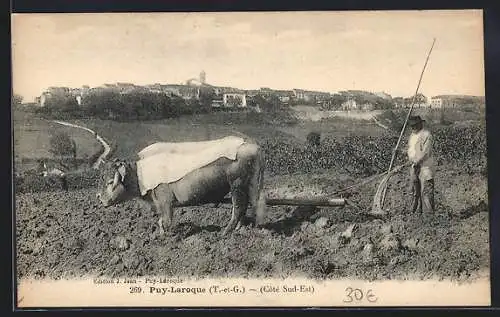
x: 241, y: 177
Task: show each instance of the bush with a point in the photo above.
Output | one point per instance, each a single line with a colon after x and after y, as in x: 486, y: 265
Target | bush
x: 313, y: 139
x: 393, y: 119
x: 61, y: 145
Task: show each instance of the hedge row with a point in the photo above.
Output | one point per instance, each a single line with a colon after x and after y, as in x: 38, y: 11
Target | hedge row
x: 33, y: 182
x: 368, y: 155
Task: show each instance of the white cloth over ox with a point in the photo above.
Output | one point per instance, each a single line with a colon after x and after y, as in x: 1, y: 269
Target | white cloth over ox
x: 167, y: 162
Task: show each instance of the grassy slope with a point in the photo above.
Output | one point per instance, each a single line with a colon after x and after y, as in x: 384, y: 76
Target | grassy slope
x: 32, y: 139
x: 131, y: 137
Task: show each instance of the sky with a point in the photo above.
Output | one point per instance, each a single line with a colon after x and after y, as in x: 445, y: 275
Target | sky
x: 327, y: 51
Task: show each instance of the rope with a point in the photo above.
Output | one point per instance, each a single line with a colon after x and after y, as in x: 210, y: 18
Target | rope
x: 369, y: 179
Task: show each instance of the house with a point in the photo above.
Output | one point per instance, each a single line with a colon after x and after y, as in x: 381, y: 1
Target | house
x: 154, y: 88
x: 217, y: 103
x: 349, y: 104
x: 445, y: 101
x: 320, y: 96
x: 171, y: 90
x: 366, y: 107
x: 61, y: 91
x: 252, y: 92
x: 54, y: 92
x: 97, y: 90
x: 299, y: 94
x: 189, y: 92
x: 237, y: 100
x: 126, y: 88
x: 284, y: 95
x: 436, y: 102
x: 418, y: 105
x: 43, y: 98
x: 284, y: 99
x: 311, y: 96
x: 266, y: 92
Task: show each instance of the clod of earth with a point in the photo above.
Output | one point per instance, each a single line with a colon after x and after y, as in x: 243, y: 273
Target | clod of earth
x: 390, y: 242
x: 346, y: 235
x: 120, y: 243
x: 322, y: 222
x: 410, y: 244
x: 367, y: 253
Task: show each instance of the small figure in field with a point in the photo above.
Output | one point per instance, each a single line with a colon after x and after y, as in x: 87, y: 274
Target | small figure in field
x: 53, y: 173
x: 422, y: 166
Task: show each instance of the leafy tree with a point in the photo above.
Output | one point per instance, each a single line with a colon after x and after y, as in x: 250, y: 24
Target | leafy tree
x: 206, y: 98
x: 61, y: 145
x: 398, y: 100
x: 419, y: 98
x: 335, y: 102
x: 59, y: 103
x: 17, y: 100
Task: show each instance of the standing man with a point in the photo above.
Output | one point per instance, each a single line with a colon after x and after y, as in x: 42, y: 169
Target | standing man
x: 422, y: 165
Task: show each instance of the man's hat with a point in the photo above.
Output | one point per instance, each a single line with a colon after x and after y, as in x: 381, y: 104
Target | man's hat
x: 414, y: 120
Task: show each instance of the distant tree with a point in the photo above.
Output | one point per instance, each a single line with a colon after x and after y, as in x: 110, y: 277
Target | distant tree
x: 100, y: 104
x: 383, y: 104
x: 272, y: 104
x: 337, y: 100
x: 17, y: 100
x: 398, y: 100
x: 61, y: 103
x: 421, y: 98
x: 63, y: 147
x: 175, y: 107
x: 206, y: 97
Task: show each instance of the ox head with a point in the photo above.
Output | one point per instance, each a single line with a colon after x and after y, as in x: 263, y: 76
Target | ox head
x: 112, y: 188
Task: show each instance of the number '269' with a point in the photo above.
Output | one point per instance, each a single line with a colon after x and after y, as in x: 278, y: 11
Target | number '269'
x: 357, y: 295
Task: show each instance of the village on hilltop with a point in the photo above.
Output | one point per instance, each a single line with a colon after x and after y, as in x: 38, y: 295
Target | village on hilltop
x: 235, y: 98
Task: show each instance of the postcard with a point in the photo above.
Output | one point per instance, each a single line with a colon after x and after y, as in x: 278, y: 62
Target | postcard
x: 250, y: 159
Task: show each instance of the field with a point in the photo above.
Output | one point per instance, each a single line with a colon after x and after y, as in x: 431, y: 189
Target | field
x: 64, y: 235
x: 32, y: 141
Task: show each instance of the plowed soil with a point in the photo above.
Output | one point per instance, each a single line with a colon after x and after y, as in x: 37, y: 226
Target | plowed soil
x: 63, y: 235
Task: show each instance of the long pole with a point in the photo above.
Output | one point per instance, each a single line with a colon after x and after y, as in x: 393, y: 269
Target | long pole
x: 406, y: 121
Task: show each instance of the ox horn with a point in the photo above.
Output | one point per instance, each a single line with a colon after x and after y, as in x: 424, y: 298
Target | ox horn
x: 115, y: 179
x: 117, y: 162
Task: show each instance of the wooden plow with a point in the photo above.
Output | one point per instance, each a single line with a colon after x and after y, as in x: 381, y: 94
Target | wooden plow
x: 317, y: 202
x: 321, y: 201
x: 327, y: 201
